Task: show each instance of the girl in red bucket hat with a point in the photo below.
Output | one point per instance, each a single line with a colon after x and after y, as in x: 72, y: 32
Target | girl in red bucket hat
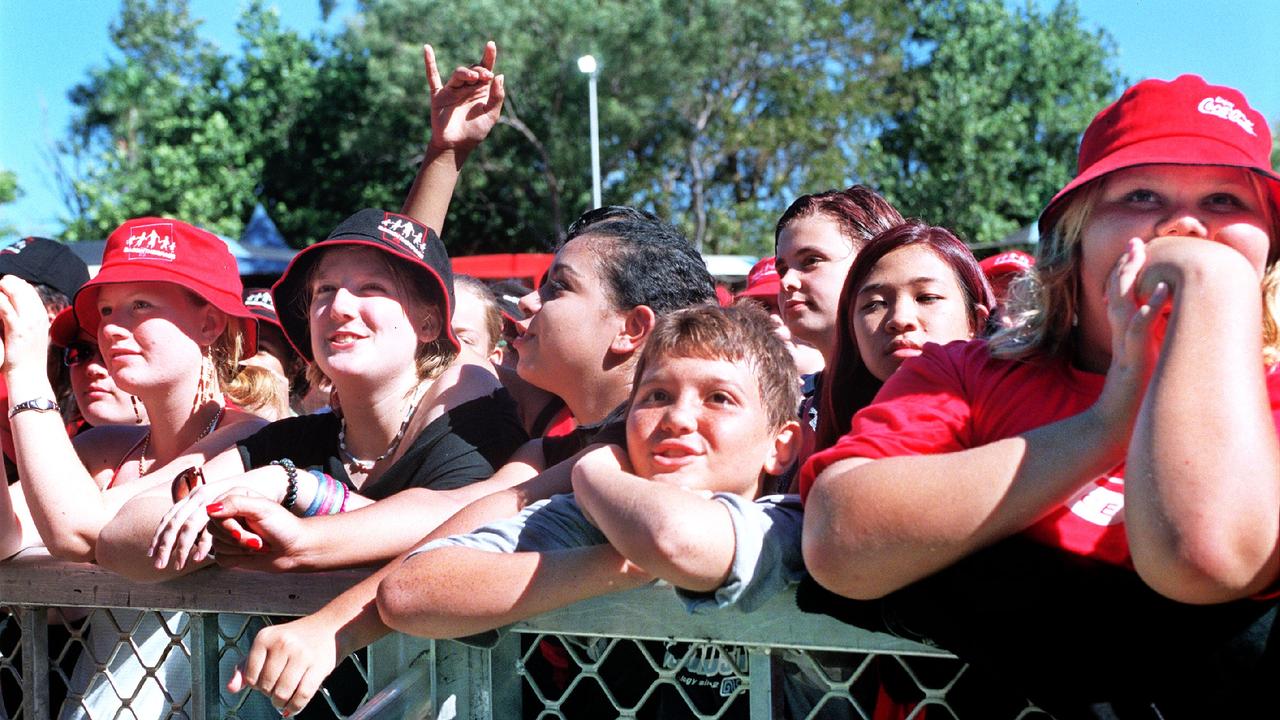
x: 1128, y: 415
x: 166, y: 312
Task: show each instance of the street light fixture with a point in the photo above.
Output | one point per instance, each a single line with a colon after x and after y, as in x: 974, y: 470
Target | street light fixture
x: 587, y: 64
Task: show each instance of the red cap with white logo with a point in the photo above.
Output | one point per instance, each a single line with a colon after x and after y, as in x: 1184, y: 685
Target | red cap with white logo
x: 156, y: 249
x: 1183, y: 122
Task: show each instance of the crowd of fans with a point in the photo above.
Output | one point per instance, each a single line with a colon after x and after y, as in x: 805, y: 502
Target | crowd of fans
x: 1064, y: 469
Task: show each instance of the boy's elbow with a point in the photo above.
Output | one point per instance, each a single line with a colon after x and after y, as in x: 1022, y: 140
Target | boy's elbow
x: 113, y: 552
x: 392, y: 606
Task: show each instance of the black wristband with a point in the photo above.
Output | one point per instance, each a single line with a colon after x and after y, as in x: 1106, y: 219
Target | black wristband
x: 291, y: 494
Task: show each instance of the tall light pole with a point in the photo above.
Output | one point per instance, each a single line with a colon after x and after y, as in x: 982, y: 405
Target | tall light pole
x: 587, y: 64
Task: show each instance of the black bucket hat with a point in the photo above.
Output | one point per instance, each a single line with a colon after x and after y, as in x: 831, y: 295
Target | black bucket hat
x: 400, y: 236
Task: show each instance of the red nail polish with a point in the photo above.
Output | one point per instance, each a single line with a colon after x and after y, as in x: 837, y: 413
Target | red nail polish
x: 213, y: 507
x: 254, y: 543
x: 235, y: 533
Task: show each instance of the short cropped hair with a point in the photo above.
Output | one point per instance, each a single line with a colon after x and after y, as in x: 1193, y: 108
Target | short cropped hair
x: 645, y: 261
x: 741, y: 333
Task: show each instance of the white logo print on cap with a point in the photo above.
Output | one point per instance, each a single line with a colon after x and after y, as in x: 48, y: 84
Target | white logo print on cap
x: 1227, y: 110
x: 151, y: 242
x: 403, y: 230
x: 260, y: 299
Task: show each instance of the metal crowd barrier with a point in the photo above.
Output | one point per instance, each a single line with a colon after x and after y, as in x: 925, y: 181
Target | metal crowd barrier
x: 73, y: 645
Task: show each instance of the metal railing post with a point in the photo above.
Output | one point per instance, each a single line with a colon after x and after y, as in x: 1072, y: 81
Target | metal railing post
x: 34, y: 625
x: 206, y: 698
x: 760, y: 681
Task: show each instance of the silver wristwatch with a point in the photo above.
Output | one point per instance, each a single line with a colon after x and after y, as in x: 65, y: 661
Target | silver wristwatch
x: 40, y: 404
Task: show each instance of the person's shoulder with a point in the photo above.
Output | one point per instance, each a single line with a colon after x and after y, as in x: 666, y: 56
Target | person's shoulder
x: 315, y: 425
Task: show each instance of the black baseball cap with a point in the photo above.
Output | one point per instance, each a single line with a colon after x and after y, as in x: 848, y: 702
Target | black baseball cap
x: 45, y: 261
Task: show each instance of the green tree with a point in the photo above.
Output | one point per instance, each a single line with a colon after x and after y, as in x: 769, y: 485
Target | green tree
x: 713, y: 113
x: 993, y: 101
x: 9, y: 191
x: 158, y: 130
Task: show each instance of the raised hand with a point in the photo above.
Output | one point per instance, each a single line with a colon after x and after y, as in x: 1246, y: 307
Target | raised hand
x: 466, y: 108
x: 26, y: 326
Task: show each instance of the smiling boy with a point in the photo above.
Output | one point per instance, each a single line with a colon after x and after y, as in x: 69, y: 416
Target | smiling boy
x: 711, y: 417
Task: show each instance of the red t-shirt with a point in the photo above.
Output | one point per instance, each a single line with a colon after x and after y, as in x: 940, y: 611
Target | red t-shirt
x: 958, y: 397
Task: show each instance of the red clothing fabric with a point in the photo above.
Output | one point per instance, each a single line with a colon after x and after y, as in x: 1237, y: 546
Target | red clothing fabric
x: 562, y: 424
x: 957, y: 396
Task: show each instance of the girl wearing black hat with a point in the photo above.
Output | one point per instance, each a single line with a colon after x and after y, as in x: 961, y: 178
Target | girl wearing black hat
x: 369, y: 307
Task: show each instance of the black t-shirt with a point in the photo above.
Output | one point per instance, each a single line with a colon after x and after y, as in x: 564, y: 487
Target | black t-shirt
x: 462, y: 446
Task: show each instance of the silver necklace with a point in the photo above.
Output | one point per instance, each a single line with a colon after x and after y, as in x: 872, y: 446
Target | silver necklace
x: 146, y: 441
x: 364, y: 466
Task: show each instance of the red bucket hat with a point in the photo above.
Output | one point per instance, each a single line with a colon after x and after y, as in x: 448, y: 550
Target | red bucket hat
x: 763, y: 280
x: 64, y: 328
x: 154, y: 249
x: 1183, y: 122
x: 400, y: 236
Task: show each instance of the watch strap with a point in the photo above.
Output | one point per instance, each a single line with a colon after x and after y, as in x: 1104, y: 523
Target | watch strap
x: 40, y: 404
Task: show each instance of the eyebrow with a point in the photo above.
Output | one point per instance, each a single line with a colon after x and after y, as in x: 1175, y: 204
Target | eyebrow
x: 922, y: 280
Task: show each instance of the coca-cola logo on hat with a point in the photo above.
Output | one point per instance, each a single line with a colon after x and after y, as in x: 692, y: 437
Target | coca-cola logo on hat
x: 151, y: 242
x: 1227, y: 110
x: 398, y: 228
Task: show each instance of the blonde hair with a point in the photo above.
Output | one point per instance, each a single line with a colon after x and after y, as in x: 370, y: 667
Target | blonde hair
x: 1042, y: 304
x: 247, y: 386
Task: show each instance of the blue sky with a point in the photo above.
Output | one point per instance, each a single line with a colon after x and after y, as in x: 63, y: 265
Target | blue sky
x: 48, y: 46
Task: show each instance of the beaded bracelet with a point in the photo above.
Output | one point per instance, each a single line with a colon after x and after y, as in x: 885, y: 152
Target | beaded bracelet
x: 291, y: 494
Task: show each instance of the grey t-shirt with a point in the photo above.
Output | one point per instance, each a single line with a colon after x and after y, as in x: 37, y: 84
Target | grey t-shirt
x: 766, y: 558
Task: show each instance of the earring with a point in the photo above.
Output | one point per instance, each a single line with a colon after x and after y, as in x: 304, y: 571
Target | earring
x: 206, y: 384
x: 136, y: 413
x: 1075, y: 319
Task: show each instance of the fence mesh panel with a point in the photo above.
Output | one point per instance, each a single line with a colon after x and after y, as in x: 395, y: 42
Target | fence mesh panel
x: 11, y: 693
x: 118, y: 664
x: 570, y: 677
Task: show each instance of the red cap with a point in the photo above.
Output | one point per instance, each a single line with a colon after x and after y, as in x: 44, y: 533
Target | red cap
x: 1183, y: 122
x: 153, y: 249
x: 763, y: 280
x: 64, y: 329
x: 1011, y: 261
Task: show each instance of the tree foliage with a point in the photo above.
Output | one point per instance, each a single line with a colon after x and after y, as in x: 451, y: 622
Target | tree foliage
x: 158, y: 125
x: 993, y: 101
x: 9, y: 191
x: 711, y: 113
x: 714, y: 113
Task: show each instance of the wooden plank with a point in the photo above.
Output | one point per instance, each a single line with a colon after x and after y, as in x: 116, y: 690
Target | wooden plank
x: 34, y: 578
